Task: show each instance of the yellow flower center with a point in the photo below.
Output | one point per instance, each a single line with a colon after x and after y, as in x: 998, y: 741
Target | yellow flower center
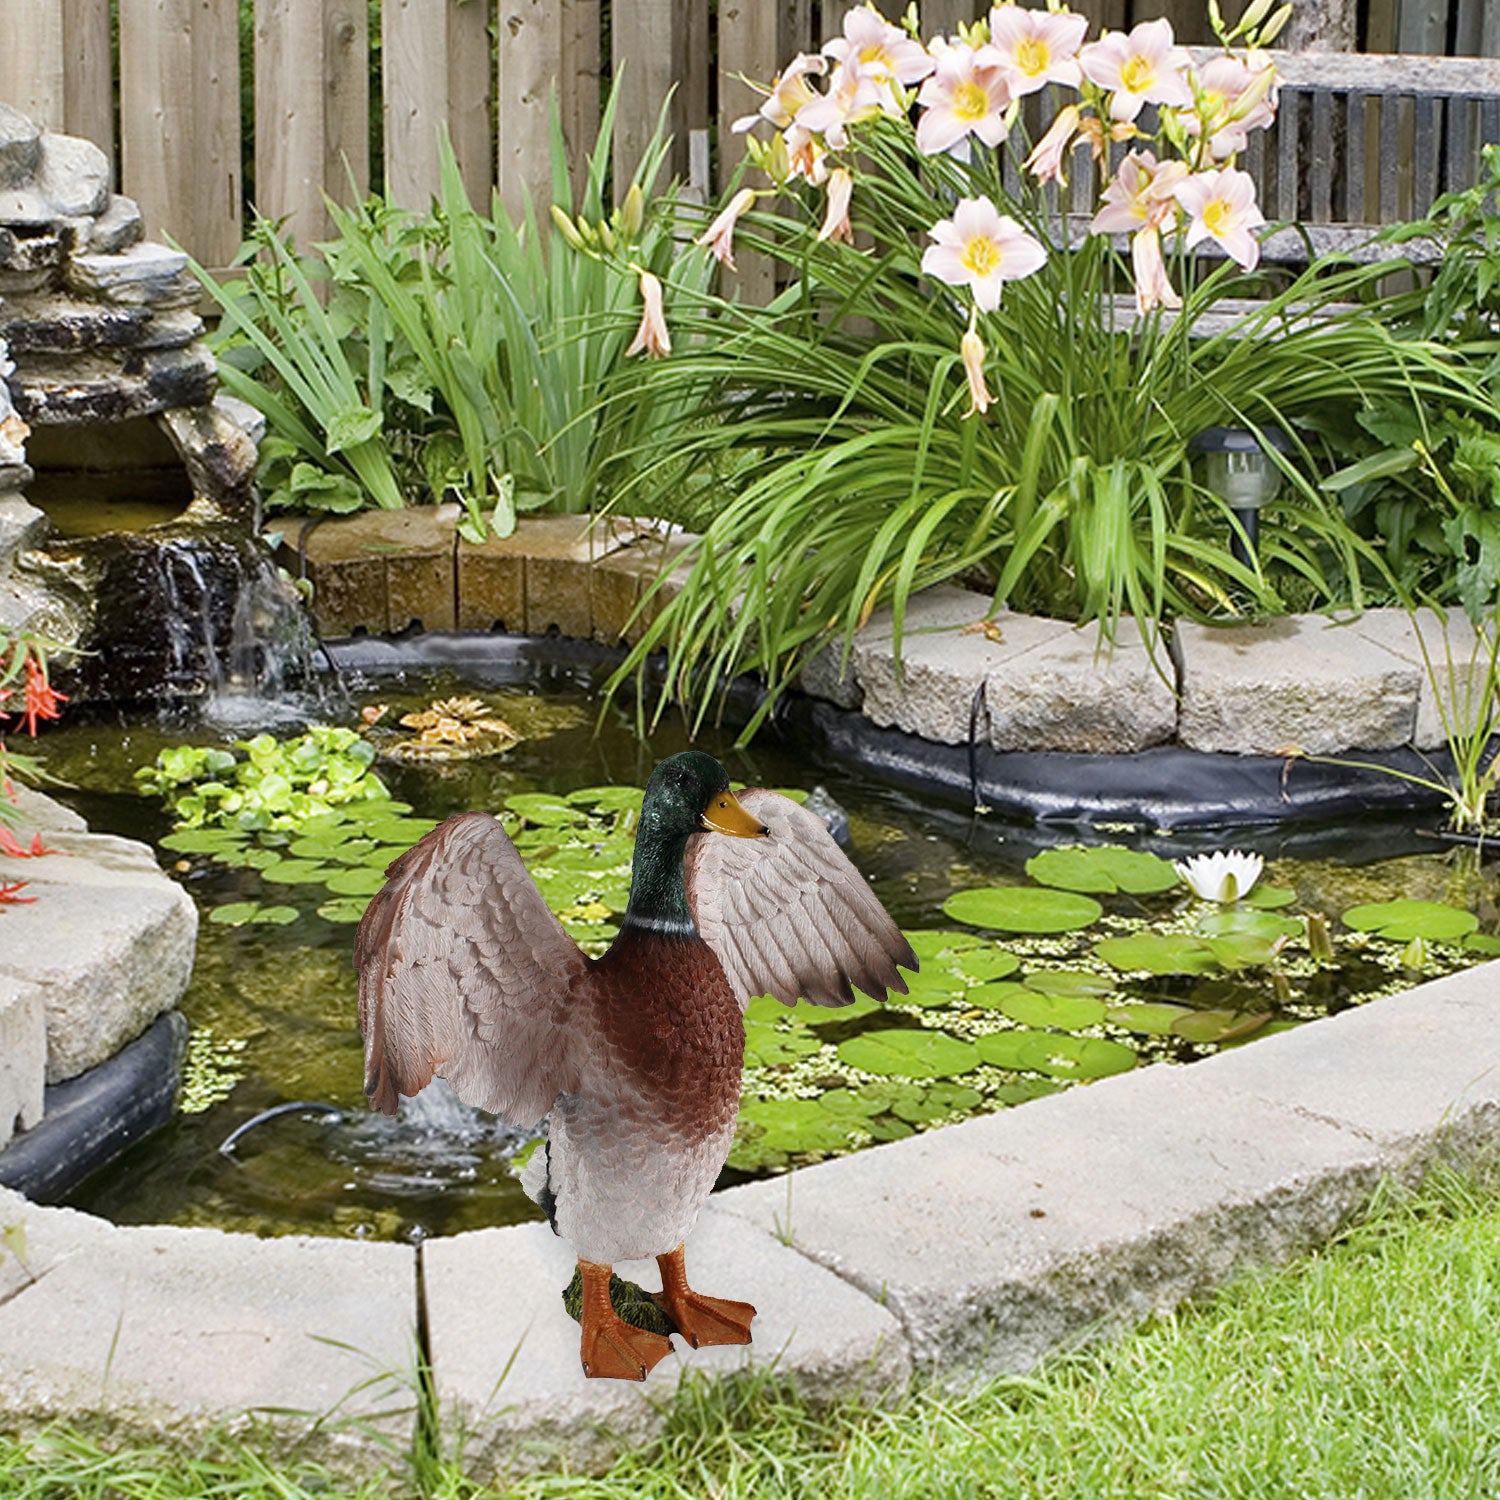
x: 876, y: 54
x: 1137, y: 74
x: 982, y: 255
x: 1032, y: 56
x: 970, y: 102
x: 1217, y: 215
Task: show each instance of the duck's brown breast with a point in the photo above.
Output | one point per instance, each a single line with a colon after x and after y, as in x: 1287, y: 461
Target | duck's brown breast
x: 669, y: 1024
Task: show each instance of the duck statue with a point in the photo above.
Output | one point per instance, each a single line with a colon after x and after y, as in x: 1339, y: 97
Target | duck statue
x: 635, y: 1057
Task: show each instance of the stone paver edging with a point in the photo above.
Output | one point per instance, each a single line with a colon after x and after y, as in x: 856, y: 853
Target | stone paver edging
x: 969, y: 1250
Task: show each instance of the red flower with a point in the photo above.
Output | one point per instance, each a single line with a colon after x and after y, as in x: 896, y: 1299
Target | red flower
x: 10, y: 845
x: 8, y: 896
x: 41, y: 700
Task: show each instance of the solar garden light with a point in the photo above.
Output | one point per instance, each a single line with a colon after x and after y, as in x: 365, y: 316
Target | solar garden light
x: 1238, y: 468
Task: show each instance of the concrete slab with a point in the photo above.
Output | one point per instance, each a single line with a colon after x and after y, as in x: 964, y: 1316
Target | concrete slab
x: 496, y: 1293
x: 1417, y: 1073
x: 1451, y: 658
x: 1079, y: 692
x: 34, y: 1240
x: 170, y: 1334
x: 23, y: 1057
x: 943, y: 663
x: 1300, y: 681
x: 1002, y: 1238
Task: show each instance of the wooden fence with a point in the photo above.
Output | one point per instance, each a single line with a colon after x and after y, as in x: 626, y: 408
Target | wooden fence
x: 171, y: 70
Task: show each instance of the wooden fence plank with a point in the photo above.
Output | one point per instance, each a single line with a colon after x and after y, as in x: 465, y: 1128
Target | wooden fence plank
x: 941, y: 17
x: 794, y: 31
x: 1422, y: 26
x: 414, y: 54
x: 88, y: 73
x: 648, y: 38
x: 290, y: 157
x: 32, y: 62
x: 531, y: 36
x: 581, y: 100
x: 748, y: 44
x: 180, y: 121
x: 346, y: 103
x: 470, y: 88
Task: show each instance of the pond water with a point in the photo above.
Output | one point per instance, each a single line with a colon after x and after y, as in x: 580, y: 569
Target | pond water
x: 1105, y: 980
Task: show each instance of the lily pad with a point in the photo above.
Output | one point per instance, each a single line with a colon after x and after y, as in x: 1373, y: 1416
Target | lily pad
x: 1069, y: 1012
x: 991, y: 996
x: 1482, y: 942
x: 1217, y: 1025
x: 1233, y: 921
x: 1013, y: 908
x: 1158, y: 953
x: 1056, y: 1054
x: 1400, y: 921
x: 768, y: 1046
x: 1149, y: 1018
x: 985, y: 964
x: 1071, y: 982
x: 234, y: 914
x: 204, y: 840
x: 917, y: 1053
x: 297, y: 872
x: 604, y: 798
x: 1106, y: 868
x: 1245, y: 950
x: 1269, y: 897
x: 344, y: 909
x: 931, y: 943
x: 537, y: 807
x: 355, y: 881
x: 276, y: 916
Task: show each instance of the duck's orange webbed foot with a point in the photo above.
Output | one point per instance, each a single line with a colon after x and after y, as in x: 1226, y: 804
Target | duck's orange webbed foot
x: 700, y: 1319
x: 611, y: 1348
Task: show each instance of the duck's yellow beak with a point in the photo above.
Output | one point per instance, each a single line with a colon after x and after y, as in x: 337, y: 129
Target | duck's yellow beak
x: 725, y: 815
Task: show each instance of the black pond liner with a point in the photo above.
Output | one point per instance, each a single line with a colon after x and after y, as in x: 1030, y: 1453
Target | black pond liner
x: 1165, y: 788
x: 89, y: 1120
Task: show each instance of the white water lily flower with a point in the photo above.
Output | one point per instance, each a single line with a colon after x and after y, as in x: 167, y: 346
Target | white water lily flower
x: 1223, y: 876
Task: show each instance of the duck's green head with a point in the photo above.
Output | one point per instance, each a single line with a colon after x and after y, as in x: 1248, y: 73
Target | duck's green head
x: 687, y: 794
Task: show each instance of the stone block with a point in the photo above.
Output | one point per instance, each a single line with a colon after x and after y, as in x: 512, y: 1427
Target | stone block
x: 1417, y: 1073
x: 497, y: 1292
x: 29, y: 252
x: 108, y: 942
x: 1079, y: 692
x: 142, y: 273
x: 46, y: 1238
x: 118, y: 228
x: 999, y: 1239
x: 1301, y: 680
x: 930, y: 690
x: 23, y: 1056
x: 382, y: 570
x: 73, y: 175
x: 66, y: 325
x: 22, y: 525
x: 38, y: 813
x: 491, y: 585
x: 100, y: 387
x: 218, y: 454
x: 20, y: 147
x: 303, y: 1346
x: 825, y: 675
x: 1453, y: 669
x: 619, y: 581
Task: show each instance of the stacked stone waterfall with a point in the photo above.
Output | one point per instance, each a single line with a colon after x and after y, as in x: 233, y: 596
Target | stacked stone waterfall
x: 97, y: 327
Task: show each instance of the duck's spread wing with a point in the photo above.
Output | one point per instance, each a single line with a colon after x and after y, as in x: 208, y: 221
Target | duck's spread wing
x: 465, y: 973
x: 788, y: 915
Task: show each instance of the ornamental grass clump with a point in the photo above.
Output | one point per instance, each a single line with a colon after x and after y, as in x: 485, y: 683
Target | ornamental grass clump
x: 991, y: 350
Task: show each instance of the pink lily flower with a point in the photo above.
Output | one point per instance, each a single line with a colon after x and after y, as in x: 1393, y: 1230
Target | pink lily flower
x: 1046, y: 160
x: 972, y: 348
x: 1152, y: 286
x: 807, y: 155
x: 963, y: 97
x: 1230, y: 100
x: 652, y: 336
x: 1145, y: 67
x: 836, y: 224
x: 1221, y: 206
x: 879, y: 49
x: 853, y: 95
x: 1141, y: 193
x: 789, y: 92
x: 982, y: 249
x: 719, y: 236
x: 1036, y: 47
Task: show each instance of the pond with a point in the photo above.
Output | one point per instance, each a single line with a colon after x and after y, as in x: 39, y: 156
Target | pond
x: 1052, y: 967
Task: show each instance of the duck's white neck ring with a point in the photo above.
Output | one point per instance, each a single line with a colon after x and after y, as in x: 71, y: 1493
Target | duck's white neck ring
x: 667, y: 926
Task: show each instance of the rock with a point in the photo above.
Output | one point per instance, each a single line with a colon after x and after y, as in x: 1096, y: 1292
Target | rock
x: 217, y: 452
x: 27, y: 211
x: 97, y: 387
x: 36, y: 812
x: 826, y: 675
x: 20, y: 147
x: 931, y: 689
x: 60, y: 325
x: 176, y: 1335
x: 145, y: 272
x: 1301, y: 681
x: 26, y: 256
x: 108, y: 942
x: 23, y: 1059
x: 118, y: 228
x: 73, y: 175
x: 1078, y: 692
x: 811, y: 1329
x: 22, y: 525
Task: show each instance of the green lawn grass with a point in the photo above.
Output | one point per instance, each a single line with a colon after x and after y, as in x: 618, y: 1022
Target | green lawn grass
x: 1369, y: 1370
